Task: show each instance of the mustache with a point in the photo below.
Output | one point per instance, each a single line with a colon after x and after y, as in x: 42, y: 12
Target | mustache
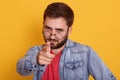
x: 52, y: 40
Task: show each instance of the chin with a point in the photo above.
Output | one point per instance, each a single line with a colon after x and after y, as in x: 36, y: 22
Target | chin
x: 53, y: 46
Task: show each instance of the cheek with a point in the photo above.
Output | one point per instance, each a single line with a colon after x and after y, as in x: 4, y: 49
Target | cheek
x: 45, y: 37
x: 64, y: 38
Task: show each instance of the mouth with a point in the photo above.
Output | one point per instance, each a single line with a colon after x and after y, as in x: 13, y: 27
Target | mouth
x: 52, y: 40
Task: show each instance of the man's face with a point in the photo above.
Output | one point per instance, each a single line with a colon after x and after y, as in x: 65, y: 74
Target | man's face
x: 56, y: 31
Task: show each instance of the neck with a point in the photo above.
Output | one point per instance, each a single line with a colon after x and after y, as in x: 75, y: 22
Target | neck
x: 56, y: 51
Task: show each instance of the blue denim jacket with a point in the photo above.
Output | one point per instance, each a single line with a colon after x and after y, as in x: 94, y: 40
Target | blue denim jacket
x: 76, y: 63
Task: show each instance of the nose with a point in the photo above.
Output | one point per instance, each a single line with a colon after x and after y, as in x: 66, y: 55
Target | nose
x: 53, y: 34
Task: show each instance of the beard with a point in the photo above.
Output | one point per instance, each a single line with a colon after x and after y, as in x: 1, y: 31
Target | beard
x: 59, y: 43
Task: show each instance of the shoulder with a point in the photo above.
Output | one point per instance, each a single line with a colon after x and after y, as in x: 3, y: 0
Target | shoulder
x: 77, y: 47
x: 34, y: 49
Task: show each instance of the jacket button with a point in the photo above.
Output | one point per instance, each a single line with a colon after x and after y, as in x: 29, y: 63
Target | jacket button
x: 41, y: 70
x: 111, y: 76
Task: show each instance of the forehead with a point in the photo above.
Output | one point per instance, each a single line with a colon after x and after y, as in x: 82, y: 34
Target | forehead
x: 55, y: 22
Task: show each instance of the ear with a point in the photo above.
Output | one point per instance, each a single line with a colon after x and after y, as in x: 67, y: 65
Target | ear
x: 70, y: 30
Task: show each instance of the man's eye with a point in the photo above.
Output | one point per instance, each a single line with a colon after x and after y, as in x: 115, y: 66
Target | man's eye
x: 60, y: 30
x: 47, y: 28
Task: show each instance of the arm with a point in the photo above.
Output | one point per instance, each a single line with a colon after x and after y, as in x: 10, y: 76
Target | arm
x: 28, y: 64
x: 34, y: 59
x: 97, y: 68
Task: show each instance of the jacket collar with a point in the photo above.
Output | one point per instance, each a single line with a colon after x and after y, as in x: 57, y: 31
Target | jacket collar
x: 69, y: 43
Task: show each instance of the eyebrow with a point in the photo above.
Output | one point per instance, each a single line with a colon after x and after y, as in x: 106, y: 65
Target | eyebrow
x: 55, y: 28
x: 47, y: 26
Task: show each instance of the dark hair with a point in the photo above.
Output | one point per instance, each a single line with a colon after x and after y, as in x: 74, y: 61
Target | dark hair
x: 59, y: 9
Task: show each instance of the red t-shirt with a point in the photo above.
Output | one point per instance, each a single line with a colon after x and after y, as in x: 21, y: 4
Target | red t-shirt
x: 52, y: 70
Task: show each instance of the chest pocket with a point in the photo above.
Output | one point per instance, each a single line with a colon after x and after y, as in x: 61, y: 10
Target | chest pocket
x: 74, y: 64
x: 74, y: 70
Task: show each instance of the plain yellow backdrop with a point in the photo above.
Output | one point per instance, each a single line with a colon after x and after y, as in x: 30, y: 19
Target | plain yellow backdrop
x: 97, y: 24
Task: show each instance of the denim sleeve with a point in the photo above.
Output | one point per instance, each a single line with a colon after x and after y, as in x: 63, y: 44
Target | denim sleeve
x: 97, y: 68
x: 28, y: 64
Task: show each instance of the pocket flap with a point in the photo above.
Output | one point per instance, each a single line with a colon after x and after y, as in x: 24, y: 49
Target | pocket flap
x: 74, y: 64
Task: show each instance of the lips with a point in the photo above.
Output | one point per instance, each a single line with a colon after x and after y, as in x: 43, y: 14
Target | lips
x: 52, y: 40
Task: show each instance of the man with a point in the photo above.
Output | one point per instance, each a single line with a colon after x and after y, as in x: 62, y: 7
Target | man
x: 60, y: 58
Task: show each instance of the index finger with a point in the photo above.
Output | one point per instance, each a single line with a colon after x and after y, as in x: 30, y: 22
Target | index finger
x: 46, y: 47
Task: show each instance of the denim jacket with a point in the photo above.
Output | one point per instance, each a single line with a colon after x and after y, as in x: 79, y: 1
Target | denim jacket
x: 76, y: 63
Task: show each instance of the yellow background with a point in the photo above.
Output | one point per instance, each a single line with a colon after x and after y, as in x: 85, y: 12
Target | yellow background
x: 97, y: 24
